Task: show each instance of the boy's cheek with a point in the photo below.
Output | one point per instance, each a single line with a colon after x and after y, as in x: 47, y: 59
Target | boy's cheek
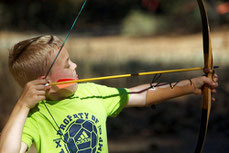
x: 61, y: 75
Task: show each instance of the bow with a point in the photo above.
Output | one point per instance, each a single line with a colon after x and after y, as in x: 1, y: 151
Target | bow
x: 208, y: 65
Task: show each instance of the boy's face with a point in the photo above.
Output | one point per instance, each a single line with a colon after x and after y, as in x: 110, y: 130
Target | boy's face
x: 63, y: 68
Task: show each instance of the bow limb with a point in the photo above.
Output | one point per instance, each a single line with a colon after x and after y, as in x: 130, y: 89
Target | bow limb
x: 208, y: 65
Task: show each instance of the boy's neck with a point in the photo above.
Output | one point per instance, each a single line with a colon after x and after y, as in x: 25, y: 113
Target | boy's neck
x: 59, y: 95
x: 54, y: 98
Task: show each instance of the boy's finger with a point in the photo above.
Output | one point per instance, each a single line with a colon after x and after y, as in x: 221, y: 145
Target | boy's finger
x: 214, y: 84
x: 41, y: 93
x: 207, y: 81
x: 40, y: 87
x: 213, y: 99
x: 213, y: 91
x: 40, y: 81
x: 215, y: 78
x: 41, y: 97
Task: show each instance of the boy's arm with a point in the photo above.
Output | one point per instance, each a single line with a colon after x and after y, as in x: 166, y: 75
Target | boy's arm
x: 10, y: 141
x: 165, y: 92
x: 23, y: 147
x: 12, y: 132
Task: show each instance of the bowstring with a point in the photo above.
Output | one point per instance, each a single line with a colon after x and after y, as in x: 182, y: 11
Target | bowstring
x: 61, y: 47
x: 81, y: 9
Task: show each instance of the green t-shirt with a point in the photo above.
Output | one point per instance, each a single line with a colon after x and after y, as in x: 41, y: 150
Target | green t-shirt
x: 81, y: 119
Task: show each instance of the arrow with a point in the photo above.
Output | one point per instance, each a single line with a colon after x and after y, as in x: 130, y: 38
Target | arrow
x: 125, y: 76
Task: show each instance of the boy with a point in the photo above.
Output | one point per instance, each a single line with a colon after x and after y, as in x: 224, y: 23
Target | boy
x: 73, y: 118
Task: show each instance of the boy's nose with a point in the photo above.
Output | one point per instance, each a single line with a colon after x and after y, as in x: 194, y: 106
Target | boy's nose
x: 74, y: 66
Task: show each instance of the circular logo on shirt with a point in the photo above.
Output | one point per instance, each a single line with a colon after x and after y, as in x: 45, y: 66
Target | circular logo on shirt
x: 80, y: 133
x: 81, y: 136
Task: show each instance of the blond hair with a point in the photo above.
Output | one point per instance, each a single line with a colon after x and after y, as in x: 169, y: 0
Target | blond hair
x: 30, y: 59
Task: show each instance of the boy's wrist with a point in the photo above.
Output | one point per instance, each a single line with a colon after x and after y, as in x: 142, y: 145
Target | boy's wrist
x: 191, y: 86
x: 22, y: 105
x: 185, y: 87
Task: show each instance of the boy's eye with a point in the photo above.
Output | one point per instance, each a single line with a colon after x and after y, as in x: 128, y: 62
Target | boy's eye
x: 67, y: 65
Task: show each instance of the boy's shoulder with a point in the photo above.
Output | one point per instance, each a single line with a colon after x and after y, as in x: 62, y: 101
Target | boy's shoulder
x: 82, y: 86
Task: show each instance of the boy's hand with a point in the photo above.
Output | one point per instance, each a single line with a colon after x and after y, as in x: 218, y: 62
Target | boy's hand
x: 200, y: 81
x: 33, y: 92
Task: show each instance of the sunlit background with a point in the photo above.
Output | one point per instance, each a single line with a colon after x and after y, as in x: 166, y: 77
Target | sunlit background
x: 128, y: 36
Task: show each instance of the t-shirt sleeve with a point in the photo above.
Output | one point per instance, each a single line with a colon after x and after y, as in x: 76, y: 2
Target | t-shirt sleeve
x: 113, y: 99
x: 30, y: 132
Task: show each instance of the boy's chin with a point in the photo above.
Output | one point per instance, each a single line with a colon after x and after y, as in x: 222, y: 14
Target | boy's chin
x: 60, y: 94
x: 67, y: 92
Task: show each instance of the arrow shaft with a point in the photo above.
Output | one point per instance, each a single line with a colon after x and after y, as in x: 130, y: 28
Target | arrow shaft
x: 127, y: 75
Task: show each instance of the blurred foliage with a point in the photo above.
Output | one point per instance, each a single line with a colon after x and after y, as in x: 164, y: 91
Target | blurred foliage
x: 36, y: 15
x: 138, y: 23
x: 103, y: 15
x: 56, y: 15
